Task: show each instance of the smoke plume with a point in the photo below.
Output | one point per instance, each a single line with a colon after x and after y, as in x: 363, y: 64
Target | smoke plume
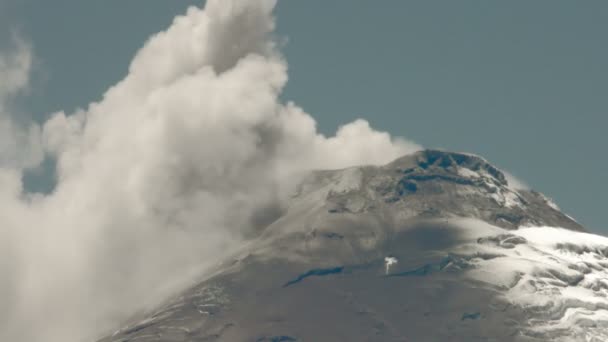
x: 176, y: 164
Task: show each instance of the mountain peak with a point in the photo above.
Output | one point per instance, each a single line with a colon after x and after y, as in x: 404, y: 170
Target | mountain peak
x: 461, y: 165
x: 433, y: 183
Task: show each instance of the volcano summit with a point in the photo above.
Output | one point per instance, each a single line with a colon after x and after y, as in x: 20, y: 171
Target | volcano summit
x: 434, y: 246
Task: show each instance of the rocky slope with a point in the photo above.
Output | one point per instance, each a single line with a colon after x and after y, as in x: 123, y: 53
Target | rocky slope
x: 435, y: 246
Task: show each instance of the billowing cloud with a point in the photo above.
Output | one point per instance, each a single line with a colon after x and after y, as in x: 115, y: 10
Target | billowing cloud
x: 175, y: 165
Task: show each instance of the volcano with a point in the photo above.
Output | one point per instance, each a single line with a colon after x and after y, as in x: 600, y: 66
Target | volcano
x: 434, y: 246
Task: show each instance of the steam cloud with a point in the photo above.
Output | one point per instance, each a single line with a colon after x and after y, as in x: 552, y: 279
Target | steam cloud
x: 178, y: 162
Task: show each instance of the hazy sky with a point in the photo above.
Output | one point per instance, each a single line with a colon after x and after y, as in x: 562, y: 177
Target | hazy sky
x: 523, y: 83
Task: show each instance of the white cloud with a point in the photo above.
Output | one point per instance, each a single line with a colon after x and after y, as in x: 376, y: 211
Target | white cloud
x: 15, y: 68
x: 162, y: 176
x: 19, y: 142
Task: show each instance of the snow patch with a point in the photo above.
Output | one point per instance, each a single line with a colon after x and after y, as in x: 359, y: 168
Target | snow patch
x: 468, y: 173
x: 388, y: 261
x: 559, y: 273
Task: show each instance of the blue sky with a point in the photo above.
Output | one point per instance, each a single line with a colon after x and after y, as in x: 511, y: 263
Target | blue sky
x: 522, y: 83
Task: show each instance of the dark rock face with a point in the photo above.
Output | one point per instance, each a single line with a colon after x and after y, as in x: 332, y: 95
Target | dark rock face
x: 321, y: 272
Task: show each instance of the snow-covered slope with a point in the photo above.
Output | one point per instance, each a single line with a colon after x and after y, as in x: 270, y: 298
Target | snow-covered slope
x: 435, y: 246
x: 560, y: 277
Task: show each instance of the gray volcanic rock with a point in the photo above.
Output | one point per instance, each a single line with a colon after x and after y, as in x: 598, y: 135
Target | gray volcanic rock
x: 440, y: 184
x: 435, y: 246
